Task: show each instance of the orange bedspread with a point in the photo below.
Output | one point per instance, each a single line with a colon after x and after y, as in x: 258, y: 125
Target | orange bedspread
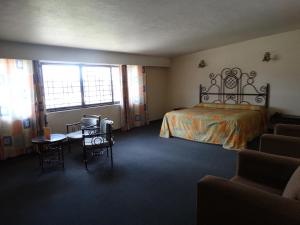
x: 230, y: 125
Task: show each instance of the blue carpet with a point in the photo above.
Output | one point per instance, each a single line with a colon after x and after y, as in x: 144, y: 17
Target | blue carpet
x: 153, y: 183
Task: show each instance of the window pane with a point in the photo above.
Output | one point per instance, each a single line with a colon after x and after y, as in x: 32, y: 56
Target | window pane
x: 97, y: 84
x: 61, y: 85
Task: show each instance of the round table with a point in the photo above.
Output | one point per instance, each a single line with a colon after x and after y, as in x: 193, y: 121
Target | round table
x: 52, y: 145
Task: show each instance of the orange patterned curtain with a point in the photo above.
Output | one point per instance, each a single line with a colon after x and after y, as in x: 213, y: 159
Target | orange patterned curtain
x: 39, y: 98
x: 134, y: 111
x: 17, y: 114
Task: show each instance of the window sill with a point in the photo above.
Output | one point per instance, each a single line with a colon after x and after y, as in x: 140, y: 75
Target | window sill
x: 66, y: 109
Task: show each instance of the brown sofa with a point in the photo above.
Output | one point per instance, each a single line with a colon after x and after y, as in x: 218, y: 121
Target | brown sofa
x: 287, y: 130
x: 285, y: 141
x: 253, y: 196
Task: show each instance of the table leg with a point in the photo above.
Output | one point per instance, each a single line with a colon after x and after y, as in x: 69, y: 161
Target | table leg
x: 111, y: 157
x: 58, y: 153
x: 41, y: 156
x: 62, y: 155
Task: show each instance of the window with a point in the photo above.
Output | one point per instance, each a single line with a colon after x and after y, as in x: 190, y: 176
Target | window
x: 61, y: 85
x: 73, y: 86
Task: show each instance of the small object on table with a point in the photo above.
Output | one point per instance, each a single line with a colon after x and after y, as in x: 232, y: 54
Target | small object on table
x: 47, y: 132
x: 51, y: 146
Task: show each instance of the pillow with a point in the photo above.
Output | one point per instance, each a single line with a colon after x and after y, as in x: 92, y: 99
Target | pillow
x: 292, y: 189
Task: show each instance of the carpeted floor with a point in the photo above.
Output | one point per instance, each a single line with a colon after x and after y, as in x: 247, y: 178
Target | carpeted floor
x: 153, y: 182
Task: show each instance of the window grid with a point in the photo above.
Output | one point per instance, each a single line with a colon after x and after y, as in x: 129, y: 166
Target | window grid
x: 97, y: 83
x: 62, y: 94
x: 94, y: 86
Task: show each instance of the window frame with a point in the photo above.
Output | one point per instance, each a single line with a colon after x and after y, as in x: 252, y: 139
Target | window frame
x: 83, y: 105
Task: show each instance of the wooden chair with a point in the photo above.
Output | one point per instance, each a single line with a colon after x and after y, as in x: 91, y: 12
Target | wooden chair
x: 97, y: 140
x: 74, y: 129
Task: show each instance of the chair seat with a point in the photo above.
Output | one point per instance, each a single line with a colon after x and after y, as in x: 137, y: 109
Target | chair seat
x: 244, y: 181
x: 96, y: 141
x: 75, y: 135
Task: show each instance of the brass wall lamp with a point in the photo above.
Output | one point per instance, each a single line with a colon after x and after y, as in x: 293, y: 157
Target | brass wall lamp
x: 267, y: 57
x: 202, y: 64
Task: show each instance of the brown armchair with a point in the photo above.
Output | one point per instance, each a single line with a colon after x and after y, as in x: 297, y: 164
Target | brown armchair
x: 291, y: 130
x: 253, y: 196
x: 285, y: 141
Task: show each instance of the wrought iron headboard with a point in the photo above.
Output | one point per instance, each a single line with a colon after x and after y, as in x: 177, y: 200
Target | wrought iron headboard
x: 233, y: 85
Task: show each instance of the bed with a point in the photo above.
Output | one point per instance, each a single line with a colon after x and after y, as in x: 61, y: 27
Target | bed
x: 232, y: 111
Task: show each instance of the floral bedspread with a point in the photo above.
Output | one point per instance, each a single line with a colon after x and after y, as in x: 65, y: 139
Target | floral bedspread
x: 230, y: 125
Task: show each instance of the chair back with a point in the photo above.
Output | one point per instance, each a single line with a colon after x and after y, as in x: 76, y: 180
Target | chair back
x: 90, y: 120
x: 94, y: 136
x: 106, y: 127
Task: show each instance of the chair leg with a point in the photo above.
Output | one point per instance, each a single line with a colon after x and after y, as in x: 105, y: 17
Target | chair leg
x: 41, y: 156
x: 69, y: 145
x: 58, y: 149
x: 85, y: 158
x: 62, y: 156
x: 111, y: 158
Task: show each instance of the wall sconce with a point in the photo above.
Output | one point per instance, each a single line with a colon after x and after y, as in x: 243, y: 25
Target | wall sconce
x: 267, y: 57
x: 202, y: 64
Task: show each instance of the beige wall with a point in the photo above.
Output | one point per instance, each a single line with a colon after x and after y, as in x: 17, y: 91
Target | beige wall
x: 283, y: 74
x: 54, y: 53
x: 157, y: 83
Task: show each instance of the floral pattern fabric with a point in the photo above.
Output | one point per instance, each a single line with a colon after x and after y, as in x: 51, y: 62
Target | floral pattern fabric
x: 230, y: 125
x: 16, y: 107
x: 134, y: 101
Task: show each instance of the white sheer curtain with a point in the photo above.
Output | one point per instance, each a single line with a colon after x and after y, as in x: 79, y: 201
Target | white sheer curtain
x: 16, y: 107
x: 134, y: 101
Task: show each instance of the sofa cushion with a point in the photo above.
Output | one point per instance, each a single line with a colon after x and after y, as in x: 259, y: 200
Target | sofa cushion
x: 262, y: 187
x: 292, y: 189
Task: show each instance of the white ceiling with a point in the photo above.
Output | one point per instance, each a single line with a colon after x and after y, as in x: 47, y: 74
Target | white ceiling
x: 150, y: 27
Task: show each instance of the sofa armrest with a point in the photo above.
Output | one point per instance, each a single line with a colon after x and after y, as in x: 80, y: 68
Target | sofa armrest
x: 271, y: 170
x: 287, y: 129
x: 280, y: 145
x: 221, y: 201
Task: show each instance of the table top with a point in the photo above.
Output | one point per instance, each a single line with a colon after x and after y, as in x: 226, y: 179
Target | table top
x: 53, y: 138
x: 75, y: 135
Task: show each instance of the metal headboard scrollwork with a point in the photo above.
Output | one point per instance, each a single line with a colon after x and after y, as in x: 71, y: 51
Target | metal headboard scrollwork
x: 234, y: 86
